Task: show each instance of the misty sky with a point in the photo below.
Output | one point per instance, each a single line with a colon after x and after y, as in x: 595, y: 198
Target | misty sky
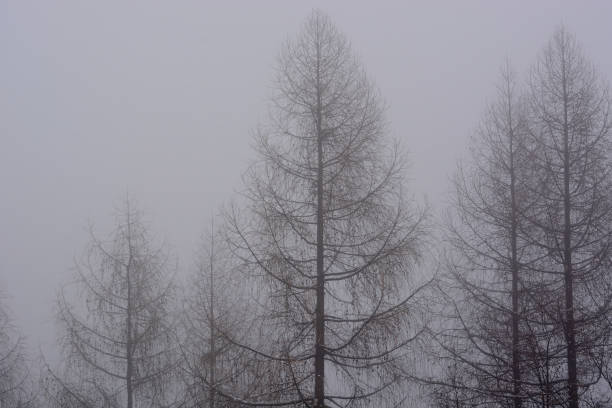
x: 159, y: 99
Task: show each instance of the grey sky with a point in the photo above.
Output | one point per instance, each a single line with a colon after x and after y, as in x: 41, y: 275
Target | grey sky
x: 159, y: 99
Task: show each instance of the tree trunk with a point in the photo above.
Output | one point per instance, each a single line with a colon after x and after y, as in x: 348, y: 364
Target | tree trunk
x: 129, y: 329
x: 128, y: 345
x: 213, y: 358
x: 516, y: 368
x: 319, y: 391
x: 570, y: 334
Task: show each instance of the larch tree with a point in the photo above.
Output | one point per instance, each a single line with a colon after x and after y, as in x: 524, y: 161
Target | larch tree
x: 569, y: 128
x: 14, y: 373
x: 204, y: 313
x: 116, y: 325
x: 328, y: 233
x: 216, y: 307
x: 482, y: 333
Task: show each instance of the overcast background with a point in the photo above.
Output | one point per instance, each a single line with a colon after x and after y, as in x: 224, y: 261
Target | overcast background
x: 158, y: 99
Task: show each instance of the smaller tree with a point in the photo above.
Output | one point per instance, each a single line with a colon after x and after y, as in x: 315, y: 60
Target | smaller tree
x: 215, y: 314
x: 117, y: 329
x: 486, y: 305
x: 13, y: 366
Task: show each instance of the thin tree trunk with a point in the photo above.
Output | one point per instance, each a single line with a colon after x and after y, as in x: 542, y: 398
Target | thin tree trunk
x: 319, y: 391
x: 516, y: 368
x: 129, y: 345
x: 572, y: 376
x: 213, y: 358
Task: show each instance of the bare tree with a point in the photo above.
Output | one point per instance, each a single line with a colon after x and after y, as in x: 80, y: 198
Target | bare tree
x: 15, y: 389
x: 216, y: 307
x: 569, y: 124
x: 117, y: 332
x: 483, y: 332
x: 541, y: 246
x: 328, y: 232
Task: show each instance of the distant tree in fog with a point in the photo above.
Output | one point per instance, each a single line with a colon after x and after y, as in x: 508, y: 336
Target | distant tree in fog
x: 217, y: 302
x: 15, y: 390
x: 118, y: 339
x: 483, y: 334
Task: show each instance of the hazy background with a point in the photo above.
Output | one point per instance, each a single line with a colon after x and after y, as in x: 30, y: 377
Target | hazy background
x: 158, y: 99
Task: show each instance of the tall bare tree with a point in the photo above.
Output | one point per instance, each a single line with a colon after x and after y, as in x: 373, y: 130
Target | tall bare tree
x: 569, y: 123
x: 117, y: 332
x: 328, y: 231
x: 484, y: 332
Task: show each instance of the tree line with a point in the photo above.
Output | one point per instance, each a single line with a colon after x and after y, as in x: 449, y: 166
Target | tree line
x: 323, y: 284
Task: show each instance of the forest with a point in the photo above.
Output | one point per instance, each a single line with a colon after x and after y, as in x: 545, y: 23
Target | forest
x: 326, y: 282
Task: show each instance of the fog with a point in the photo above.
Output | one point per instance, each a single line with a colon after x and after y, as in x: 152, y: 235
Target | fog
x: 158, y: 100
